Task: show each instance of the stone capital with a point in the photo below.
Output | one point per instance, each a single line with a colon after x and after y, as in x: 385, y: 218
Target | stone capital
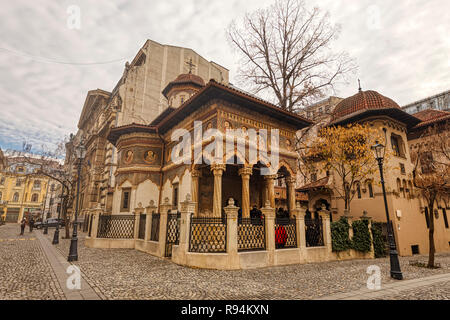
x: 270, y: 177
x: 291, y: 181
x: 218, y: 169
x: 245, y: 171
x: 196, y: 173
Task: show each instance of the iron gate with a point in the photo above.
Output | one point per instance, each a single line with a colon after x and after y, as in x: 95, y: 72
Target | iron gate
x: 172, y: 233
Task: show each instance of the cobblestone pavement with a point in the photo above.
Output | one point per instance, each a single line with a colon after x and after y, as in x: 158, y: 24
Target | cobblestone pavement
x: 439, y: 291
x: 131, y: 274
x: 25, y: 272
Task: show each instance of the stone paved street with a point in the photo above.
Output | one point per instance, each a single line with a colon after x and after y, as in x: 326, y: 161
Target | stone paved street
x: 25, y: 272
x: 130, y: 274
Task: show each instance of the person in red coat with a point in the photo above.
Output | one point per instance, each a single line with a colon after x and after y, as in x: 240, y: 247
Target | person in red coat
x: 280, y: 236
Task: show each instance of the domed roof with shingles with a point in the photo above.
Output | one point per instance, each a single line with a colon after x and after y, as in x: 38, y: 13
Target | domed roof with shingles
x: 185, y: 78
x: 363, y: 100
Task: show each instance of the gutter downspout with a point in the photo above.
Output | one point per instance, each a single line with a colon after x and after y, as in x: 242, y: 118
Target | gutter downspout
x: 161, y: 171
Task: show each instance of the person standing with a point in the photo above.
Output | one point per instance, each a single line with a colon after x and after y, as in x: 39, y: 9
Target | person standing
x: 31, y: 224
x: 23, y: 223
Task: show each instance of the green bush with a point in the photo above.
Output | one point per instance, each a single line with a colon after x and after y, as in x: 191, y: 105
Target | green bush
x: 361, y: 236
x: 379, y: 245
x: 340, y: 240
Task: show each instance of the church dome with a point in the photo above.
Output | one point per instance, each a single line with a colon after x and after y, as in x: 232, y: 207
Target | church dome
x: 184, y: 79
x: 362, y: 101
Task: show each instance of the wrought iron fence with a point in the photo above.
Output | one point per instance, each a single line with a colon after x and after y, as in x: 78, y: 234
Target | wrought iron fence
x: 314, y: 232
x: 285, y: 233
x: 142, y: 221
x: 85, y: 223
x: 116, y: 226
x: 251, y: 234
x: 173, y: 232
x: 91, y: 218
x: 154, y: 234
x: 208, y: 235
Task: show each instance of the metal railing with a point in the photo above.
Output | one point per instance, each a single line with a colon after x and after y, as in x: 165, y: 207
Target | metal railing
x: 142, y: 221
x: 208, y: 235
x: 116, y: 226
x: 251, y: 234
x: 172, y: 232
x: 154, y: 234
x: 314, y: 232
x: 285, y: 233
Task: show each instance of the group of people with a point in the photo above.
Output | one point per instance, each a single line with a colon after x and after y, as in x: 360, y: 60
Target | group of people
x: 23, y: 224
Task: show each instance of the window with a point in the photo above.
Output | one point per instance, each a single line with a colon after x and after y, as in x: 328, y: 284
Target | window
x: 369, y: 186
x: 2, y: 181
x: 18, y: 182
x: 358, y: 190
x: 37, y: 184
x: 52, y: 187
x: 402, y: 168
x: 1, y: 196
x: 444, y: 213
x: 20, y: 169
x: 34, y: 197
x: 15, y: 197
x: 404, y: 188
x: 175, y: 195
x: 415, y: 249
x: 125, y: 203
x: 426, y: 162
x: 397, y: 145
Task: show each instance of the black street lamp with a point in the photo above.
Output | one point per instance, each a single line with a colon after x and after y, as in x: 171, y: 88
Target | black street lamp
x: 56, y: 234
x: 396, y: 273
x: 80, y: 152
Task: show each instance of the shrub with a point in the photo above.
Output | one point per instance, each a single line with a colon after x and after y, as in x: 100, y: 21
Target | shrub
x: 379, y: 245
x: 340, y: 240
x: 361, y: 236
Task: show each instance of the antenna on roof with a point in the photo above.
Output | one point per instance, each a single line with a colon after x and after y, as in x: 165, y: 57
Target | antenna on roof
x: 359, y: 85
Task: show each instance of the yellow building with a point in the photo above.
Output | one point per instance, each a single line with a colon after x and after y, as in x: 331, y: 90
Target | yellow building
x: 22, y: 193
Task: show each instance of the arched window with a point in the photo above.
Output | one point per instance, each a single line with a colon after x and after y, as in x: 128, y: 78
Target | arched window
x: 34, y: 197
x: 15, y: 197
x: 369, y: 186
x: 399, y: 186
x: 397, y: 145
x: 358, y: 190
x: 2, y: 181
x: 1, y: 195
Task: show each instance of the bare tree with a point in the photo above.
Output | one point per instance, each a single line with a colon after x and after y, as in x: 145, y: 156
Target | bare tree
x: 431, y: 174
x: 286, y: 52
x: 46, y: 162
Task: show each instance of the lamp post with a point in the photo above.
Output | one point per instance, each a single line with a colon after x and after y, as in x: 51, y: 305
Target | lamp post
x: 396, y: 273
x: 56, y: 234
x: 80, y: 152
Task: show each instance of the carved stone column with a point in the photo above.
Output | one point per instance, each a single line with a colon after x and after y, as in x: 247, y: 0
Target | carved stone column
x: 245, y: 174
x: 270, y: 189
x: 325, y: 215
x: 290, y: 184
x: 195, y: 175
x: 269, y: 216
x: 232, y: 213
x: 217, y: 170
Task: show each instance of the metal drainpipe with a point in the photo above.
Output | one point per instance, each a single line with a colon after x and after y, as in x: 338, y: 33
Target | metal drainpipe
x: 161, y: 171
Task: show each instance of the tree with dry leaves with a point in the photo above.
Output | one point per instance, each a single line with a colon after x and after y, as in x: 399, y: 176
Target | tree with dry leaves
x: 344, y: 151
x: 286, y: 53
x: 431, y: 174
x: 46, y: 163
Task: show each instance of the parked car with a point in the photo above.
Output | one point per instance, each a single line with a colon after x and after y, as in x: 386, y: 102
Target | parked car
x: 51, y: 223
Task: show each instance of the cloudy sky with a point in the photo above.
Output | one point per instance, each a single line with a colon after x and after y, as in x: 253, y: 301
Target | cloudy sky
x: 402, y: 49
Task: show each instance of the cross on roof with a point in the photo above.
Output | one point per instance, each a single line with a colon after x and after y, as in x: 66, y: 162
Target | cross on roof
x: 190, y: 65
